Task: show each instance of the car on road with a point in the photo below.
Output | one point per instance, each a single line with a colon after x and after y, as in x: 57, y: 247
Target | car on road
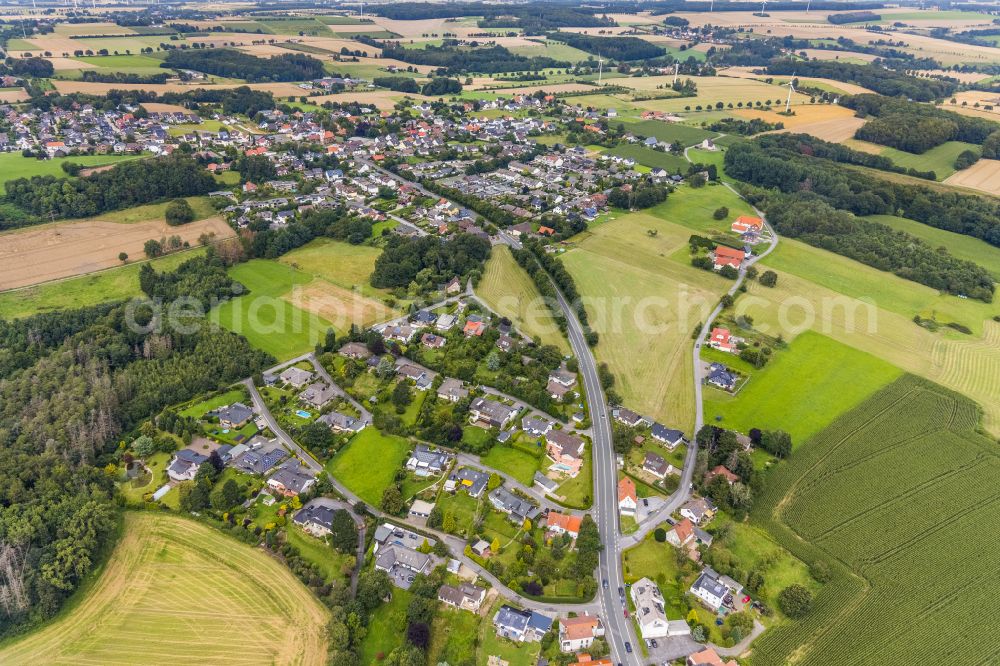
x: 746, y: 598
x: 605, y: 583
x: 621, y: 591
x: 625, y: 611
x: 628, y: 647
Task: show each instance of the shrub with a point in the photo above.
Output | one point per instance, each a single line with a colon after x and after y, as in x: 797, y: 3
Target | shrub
x: 660, y: 534
x: 795, y: 601
x: 179, y: 212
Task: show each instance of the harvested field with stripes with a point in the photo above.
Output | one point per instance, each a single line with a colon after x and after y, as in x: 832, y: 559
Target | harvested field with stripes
x: 899, y: 497
x: 176, y: 591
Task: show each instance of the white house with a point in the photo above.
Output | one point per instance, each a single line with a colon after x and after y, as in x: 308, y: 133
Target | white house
x: 649, y: 609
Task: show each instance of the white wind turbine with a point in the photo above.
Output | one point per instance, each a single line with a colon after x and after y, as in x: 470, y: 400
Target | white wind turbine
x: 763, y: 6
x: 791, y: 89
x: 600, y: 68
x: 677, y: 67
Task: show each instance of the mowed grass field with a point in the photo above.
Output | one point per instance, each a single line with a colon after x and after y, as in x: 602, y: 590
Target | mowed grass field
x: 899, y: 497
x: 872, y: 311
x: 172, y: 592
x: 801, y: 391
x: 651, y: 158
x: 644, y: 303
x: 264, y: 316
x: 368, y: 464
x: 109, y: 285
x: 508, y: 290
x: 672, y: 132
x: 14, y: 165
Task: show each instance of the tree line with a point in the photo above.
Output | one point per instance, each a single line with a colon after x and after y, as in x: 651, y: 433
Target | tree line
x: 612, y: 48
x: 806, y: 144
x: 126, y: 185
x: 872, y: 76
x: 451, y: 58
x: 428, y: 260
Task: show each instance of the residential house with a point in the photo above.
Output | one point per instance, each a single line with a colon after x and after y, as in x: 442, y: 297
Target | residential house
x: 656, y: 465
x: 723, y: 471
x: 421, y: 380
x: 432, y: 341
x: 474, y: 328
x: 425, y: 461
x: 681, y: 534
x: 712, y: 589
x: 514, y: 507
x: 723, y: 340
x: 185, y: 464
x: 666, y: 436
x: 698, y: 510
x: 627, y: 416
x: 578, y: 633
x: 355, y: 350
x: 445, y: 322
x: 398, y: 333
x: 315, y: 518
x: 262, y: 455
x: 545, y: 484
x: 721, y: 376
x: 584, y: 659
x: 491, y: 413
x: 297, y: 377
x: 708, y: 656
x: 534, y: 425
x: 424, y: 318
x: 650, y: 611
x: 454, y: 286
x: 471, y: 480
x: 628, y: 500
x: 292, y: 478
x: 402, y: 564
x: 727, y: 256
x: 338, y: 422
x: 318, y: 394
x: 420, y: 509
x: 452, y: 390
x: 558, y: 523
x: 507, y: 344
x: 565, y: 450
x: 521, y: 625
x: 466, y: 596
x: 556, y: 390
x: 233, y: 416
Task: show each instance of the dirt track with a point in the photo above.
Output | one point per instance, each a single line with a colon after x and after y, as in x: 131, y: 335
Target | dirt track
x: 55, y: 251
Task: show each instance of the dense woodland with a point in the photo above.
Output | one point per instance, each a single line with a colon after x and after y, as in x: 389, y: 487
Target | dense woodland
x: 872, y: 76
x: 614, y: 48
x: 429, y: 261
x: 914, y: 127
x: 71, y: 383
x: 126, y: 185
x: 238, y: 65
x: 861, y: 192
x: 806, y: 144
x: 532, y: 18
x: 450, y: 58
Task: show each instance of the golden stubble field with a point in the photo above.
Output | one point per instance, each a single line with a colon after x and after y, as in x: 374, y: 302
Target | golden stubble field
x: 64, y: 249
x: 176, y: 591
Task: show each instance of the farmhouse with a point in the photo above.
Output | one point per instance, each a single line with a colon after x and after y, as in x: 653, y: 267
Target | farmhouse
x: 727, y: 256
x: 722, y: 340
x: 627, y: 498
x: 578, y: 633
x: 747, y: 223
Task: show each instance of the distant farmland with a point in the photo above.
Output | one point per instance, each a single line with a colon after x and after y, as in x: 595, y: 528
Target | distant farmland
x: 899, y: 497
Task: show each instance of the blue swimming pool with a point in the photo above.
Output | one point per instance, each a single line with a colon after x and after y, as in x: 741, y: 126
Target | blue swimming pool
x: 303, y: 414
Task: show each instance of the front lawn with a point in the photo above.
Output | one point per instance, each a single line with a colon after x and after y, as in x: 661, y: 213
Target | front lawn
x: 520, y: 465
